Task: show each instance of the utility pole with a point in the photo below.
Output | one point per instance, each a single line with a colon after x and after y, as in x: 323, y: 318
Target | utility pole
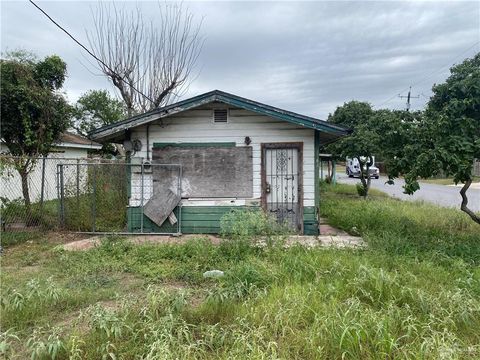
x: 408, y: 97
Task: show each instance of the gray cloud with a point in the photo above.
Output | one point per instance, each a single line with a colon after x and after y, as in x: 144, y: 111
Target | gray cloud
x: 307, y: 57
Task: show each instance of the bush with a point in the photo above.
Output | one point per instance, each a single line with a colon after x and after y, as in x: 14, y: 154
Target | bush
x: 245, y: 225
x: 361, y: 191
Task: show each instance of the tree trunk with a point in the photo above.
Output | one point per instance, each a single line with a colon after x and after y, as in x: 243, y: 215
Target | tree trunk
x: 365, y: 182
x: 26, y: 196
x: 463, y: 206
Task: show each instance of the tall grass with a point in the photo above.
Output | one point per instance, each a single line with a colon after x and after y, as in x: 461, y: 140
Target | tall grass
x: 402, y: 227
x: 391, y: 301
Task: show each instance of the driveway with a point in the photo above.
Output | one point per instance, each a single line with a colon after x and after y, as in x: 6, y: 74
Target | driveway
x: 443, y: 195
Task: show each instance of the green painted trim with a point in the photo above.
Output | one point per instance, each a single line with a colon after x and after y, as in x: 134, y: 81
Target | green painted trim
x: 206, y: 219
x: 194, y: 219
x: 230, y: 99
x: 281, y: 114
x: 158, y: 145
x: 316, y: 176
x: 310, y: 222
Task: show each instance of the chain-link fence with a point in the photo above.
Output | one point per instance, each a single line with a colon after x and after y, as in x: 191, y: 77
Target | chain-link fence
x: 102, y: 197
x: 28, y: 192
x: 89, y: 195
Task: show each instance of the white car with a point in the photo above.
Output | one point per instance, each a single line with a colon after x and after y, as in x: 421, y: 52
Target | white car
x: 353, y: 169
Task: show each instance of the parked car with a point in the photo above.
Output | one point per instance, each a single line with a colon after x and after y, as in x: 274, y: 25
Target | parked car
x: 353, y: 168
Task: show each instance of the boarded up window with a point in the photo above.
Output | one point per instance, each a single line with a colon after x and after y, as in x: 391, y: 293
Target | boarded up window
x: 209, y: 171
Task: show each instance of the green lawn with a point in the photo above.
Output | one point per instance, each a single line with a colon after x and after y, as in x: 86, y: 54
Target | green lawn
x: 415, y: 293
x: 445, y: 181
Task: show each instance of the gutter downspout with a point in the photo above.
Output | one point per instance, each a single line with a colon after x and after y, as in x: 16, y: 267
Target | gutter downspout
x: 148, y: 142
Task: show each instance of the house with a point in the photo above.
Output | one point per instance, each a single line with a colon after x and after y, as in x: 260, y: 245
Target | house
x: 70, y: 148
x: 234, y: 153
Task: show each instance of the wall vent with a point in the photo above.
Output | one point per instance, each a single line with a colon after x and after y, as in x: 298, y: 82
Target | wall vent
x: 220, y: 115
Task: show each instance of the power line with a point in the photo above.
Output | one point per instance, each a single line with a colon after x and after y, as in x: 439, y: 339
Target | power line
x: 428, y: 76
x: 89, y: 52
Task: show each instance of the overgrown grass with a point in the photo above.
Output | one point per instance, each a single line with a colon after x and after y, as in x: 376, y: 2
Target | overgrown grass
x: 402, y: 227
x: 419, y: 300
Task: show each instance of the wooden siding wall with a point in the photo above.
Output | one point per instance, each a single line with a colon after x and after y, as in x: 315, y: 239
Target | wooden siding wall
x: 197, y: 126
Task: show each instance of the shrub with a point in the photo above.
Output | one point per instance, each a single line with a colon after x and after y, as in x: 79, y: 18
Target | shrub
x: 245, y: 225
x: 360, y: 189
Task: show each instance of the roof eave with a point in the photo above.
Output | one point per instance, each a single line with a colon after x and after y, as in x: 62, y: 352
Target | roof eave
x: 111, y: 131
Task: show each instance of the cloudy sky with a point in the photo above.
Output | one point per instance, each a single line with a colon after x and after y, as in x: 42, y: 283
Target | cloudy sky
x: 307, y: 57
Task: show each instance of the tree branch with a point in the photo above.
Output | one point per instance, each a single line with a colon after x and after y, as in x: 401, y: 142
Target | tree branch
x: 463, y: 206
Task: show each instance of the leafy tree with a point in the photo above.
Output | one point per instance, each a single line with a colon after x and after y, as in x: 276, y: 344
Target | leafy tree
x: 447, y: 139
x: 363, y: 141
x: 97, y: 108
x: 33, y: 112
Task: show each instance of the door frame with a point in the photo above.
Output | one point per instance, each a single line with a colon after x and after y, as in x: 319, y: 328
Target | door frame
x: 263, y: 175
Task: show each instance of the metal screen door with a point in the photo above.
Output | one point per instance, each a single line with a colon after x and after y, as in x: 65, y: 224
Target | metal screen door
x: 282, y: 183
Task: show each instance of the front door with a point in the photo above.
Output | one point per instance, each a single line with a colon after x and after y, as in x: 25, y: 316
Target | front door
x: 282, y: 183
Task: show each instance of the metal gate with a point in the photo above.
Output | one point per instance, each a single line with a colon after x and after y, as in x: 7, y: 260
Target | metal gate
x: 282, y: 182
x: 110, y: 197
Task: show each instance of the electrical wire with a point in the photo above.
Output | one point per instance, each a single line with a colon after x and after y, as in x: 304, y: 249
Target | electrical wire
x: 428, y: 76
x: 89, y: 52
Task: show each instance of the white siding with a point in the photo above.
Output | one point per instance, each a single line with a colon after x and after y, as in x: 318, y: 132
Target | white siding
x: 11, y: 184
x: 198, y: 126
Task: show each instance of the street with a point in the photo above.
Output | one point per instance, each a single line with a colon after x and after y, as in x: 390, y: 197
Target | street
x: 443, y: 195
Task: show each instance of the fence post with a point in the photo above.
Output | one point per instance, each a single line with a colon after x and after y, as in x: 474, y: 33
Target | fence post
x: 62, y: 198
x: 141, y: 199
x: 42, y: 191
x: 78, y: 183
x: 179, y: 190
x: 94, y: 198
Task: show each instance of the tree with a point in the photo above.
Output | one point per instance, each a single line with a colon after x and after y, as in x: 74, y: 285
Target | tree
x: 447, y: 139
x: 363, y: 141
x: 34, y: 113
x: 94, y: 109
x: 155, y: 58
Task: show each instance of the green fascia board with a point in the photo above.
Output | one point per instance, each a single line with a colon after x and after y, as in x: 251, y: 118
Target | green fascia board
x: 219, y: 96
x: 157, y: 145
x: 280, y: 114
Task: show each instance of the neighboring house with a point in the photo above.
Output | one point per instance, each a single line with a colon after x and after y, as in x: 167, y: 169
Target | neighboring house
x: 70, y: 148
x: 235, y: 153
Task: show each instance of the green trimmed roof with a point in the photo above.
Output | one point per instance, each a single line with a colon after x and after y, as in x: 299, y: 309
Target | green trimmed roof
x: 113, y: 130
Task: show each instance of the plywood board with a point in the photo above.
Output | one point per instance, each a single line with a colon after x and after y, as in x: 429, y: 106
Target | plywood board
x: 166, y: 195
x: 209, y: 171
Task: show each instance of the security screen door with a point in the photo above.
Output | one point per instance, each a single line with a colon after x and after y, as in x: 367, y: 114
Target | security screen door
x: 282, y: 182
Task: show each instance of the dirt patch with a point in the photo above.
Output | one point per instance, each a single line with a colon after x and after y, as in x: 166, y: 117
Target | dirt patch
x: 94, y: 241
x: 330, y: 237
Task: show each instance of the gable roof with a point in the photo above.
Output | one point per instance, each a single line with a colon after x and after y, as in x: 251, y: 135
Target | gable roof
x: 68, y: 139
x: 112, y: 130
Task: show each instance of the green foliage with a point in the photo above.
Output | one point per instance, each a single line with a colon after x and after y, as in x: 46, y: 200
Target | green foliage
x: 447, y: 139
x: 413, y: 293
x: 403, y: 227
x: 34, y: 113
x: 362, y: 143
x: 97, y: 108
x: 361, y: 190
x: 248, y: 225
x: 363, y: 140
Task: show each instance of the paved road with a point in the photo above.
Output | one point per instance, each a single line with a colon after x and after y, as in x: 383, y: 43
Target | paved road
x: 447, y: 196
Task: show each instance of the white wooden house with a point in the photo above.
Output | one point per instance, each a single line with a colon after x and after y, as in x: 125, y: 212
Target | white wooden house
x: 235, y: 153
